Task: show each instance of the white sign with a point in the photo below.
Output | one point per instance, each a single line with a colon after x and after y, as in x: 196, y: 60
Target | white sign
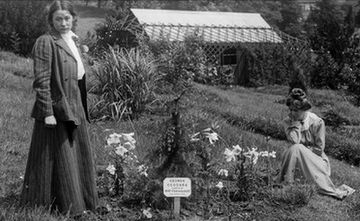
x: 177, y: 187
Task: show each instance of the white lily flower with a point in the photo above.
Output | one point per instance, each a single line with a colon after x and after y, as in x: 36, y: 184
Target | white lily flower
x: 194, y: 137
x: 229, y: 155
x: 264, y: 153
x: 111, y: 168
x: 267, y: 154
x: 213, y: 137
x: 220, y: 185
x: 108, y: 207
x: 120, y: 150
x: 129, y: 146
x: 255, y: 159
x: 144, y: 173
x: 128, y: 137
x: 142, y: 169
x: 253, y: 155
x: 147, y: 213
x: 215, y: 125
x: 237, y: 149
x: 113, y: 139
x: 272, y: 154
x: 223, y: 172
x: 207, y: 129
x: 84, y: 48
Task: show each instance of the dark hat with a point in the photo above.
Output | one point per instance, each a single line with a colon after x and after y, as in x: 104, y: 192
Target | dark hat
x: 297, y: 100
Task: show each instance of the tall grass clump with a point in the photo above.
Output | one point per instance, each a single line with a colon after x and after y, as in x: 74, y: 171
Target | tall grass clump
x: 125, y: 83
x: 292, y: 195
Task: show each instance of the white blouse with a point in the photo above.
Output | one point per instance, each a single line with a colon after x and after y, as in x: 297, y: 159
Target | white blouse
x: 310, y: 132
x: 68, y: 38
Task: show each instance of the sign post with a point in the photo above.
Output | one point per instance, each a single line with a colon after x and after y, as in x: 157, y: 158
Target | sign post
x: 177, y: 187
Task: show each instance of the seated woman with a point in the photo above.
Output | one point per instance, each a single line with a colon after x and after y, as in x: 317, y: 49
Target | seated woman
x: 306, y: 131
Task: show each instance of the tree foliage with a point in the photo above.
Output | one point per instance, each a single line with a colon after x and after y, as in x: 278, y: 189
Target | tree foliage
x: 329, y: 33
x: 21, y: 22
x: 327, y: 30
x: 291, y: 18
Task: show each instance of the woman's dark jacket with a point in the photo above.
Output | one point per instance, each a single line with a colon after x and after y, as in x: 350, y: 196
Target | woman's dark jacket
x: 58, y: 91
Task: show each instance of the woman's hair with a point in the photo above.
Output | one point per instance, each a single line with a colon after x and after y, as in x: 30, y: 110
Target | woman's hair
x: 61, y: 5
x: 297, y: 100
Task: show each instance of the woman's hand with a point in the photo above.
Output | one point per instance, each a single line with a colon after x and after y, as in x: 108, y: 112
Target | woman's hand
x: 50, y: 121
x: 293, y: 118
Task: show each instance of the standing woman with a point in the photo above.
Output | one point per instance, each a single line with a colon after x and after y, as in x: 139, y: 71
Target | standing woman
x: 60, y: 171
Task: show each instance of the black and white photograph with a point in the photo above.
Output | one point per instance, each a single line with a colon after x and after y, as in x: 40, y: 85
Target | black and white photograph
x: 179, y: 110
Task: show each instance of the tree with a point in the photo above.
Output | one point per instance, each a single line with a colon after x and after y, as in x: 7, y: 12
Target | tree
x: 329, y: 33
x: 21, y: 22
x: 325, y: 29
x: 357, y: 17
x: 291, y: 18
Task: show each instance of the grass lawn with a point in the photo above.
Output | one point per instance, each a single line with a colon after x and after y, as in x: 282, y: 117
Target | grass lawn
x: 16, y: 126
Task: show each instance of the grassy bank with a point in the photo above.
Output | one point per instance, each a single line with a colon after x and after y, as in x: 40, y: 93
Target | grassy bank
x: 262, y: 111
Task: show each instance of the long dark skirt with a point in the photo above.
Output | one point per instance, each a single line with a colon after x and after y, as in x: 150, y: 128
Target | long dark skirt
x: 60, y: 171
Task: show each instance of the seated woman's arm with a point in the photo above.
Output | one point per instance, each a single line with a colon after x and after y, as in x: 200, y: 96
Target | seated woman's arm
x: 292, y: 131
x: 319, y: 137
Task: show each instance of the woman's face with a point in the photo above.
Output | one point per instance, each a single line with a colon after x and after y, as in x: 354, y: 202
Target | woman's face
x: 297, y: 114
x: 62, y: 21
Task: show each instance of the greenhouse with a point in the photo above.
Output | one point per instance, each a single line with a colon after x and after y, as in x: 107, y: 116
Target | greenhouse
x: 225, y: 34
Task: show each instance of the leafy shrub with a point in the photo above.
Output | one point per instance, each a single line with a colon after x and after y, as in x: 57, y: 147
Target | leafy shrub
x: 333, y: 118
x: 119, y: 31
x: 350, y: 73
x: 352, y: 82
x: 223, y: 75
x: 343, y: 149
x: 351, y: 132
x: 125, y: 84
x: 328, y: 30
x: 325, y: 72
x: 329, y: 33
x: 271, y: 65
x: 21, y: 23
